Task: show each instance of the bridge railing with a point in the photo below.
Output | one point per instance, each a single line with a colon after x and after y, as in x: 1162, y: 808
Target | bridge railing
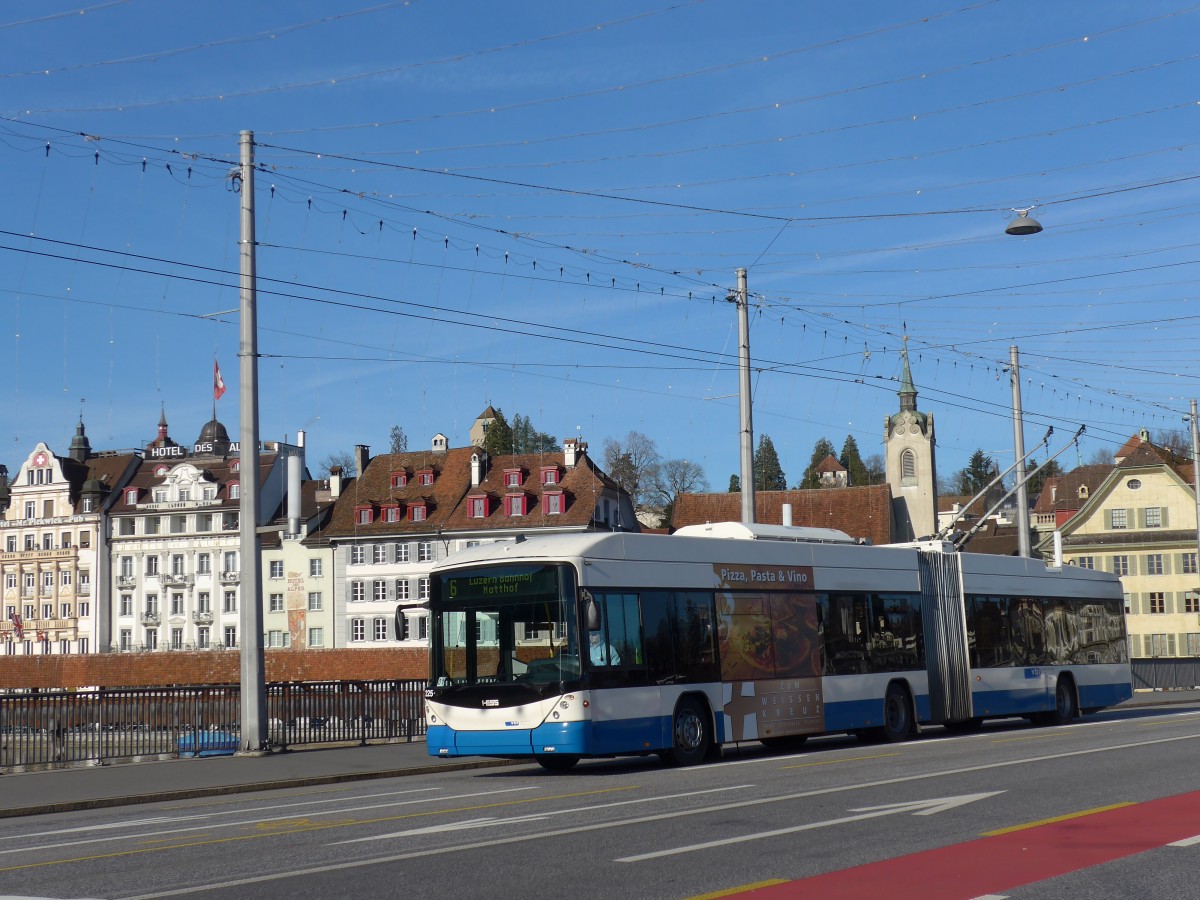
x: 48, y: 728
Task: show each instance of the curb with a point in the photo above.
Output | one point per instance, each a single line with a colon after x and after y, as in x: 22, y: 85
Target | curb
x: 250, y: 787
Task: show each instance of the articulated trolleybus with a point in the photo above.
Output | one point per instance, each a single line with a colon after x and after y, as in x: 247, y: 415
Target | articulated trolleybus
x: 600, y: 644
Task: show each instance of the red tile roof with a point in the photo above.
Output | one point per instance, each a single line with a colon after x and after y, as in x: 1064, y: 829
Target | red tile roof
x: 861, y: 512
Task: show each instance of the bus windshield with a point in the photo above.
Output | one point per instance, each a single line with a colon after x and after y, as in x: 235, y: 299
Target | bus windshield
x: 512, y: 624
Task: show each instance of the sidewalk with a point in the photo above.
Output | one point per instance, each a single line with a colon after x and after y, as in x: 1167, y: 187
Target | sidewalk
x: 94, y: 787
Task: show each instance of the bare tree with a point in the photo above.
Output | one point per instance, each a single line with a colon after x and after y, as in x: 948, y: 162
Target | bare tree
x: 1177, y: 440
x: 675, y: 477
x: 633, y: 463
x: 343, y: 458
x: 399, y: 440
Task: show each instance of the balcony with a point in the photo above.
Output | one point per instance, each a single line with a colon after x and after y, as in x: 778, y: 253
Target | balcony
x: 126, y: 581
x: 177, y: 580
x: 202, y: 617
x: 83, y: 590
x: 151, y: 619
x: 230, y: 577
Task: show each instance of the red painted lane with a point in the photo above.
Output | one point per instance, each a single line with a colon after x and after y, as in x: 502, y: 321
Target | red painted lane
x: 993, y: 865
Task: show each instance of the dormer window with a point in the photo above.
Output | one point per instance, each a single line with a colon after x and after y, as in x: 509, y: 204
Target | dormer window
x: 131, y: 496
x: 425, y: 477
x: 552, y: 503
x: 418, y: 511
x: 160, y: 496
x: 514, y: 504
x: 550, y: 475
x: 235, y: 466
x: 160, y: 471
x: 512, y: 478
x: 477, y: 507
x: 364, y: 515
x: 391, y: 513
x: 1083, y: 492
x: 399, y: 479
x: 235, y: 490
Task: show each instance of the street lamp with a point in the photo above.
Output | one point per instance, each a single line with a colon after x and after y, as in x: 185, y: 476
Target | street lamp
x: 1022, y: 224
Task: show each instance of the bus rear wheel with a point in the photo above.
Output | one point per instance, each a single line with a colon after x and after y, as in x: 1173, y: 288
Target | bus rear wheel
x: 690, y: 735
x: 897, y: 714
x: 556, y: 763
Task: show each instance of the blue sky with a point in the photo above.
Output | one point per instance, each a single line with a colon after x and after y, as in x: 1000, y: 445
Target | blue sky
x: 541, y: 206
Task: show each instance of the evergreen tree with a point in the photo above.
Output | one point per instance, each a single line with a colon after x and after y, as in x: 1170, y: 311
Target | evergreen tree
x: 498, y: 439
x: 1039, y: 474
x: 821, y: 449
x: 855, y: 467
x: 980, y: 470
x: 768, y: 474
x: 735, y: 484
x: 527, y: 439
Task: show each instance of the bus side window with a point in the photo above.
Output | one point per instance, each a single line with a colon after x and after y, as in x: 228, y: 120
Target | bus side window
x: 657, y: 622
x: 696, y: 635
x: 623, y: 627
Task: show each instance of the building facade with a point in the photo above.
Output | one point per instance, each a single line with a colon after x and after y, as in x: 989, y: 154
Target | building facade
x: 175, y: 542
x: 1140, y: 523
x: 406, y: 511
x: 53, y: 522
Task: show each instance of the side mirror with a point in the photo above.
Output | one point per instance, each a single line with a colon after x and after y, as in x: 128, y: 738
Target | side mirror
x: 590, y: 610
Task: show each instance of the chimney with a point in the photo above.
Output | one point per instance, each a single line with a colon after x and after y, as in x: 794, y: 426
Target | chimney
x: 573, y: 449
x: 335, y: 482
x: 478, y: 462
x: 362, y: 456
x: 787, y: 515
x: 295, y: 469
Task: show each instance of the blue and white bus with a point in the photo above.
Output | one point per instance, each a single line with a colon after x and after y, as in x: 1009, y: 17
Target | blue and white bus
x: 599, y: 644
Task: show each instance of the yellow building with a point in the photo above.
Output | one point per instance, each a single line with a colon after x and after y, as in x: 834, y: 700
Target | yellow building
x: 1140, y: 522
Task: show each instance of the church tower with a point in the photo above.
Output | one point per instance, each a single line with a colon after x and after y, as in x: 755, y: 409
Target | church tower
x: 910, y: 465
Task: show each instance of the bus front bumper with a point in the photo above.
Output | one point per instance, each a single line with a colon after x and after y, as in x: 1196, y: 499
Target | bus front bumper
x: 559, y: 738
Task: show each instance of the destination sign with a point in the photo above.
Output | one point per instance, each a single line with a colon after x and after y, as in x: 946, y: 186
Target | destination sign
x: 498, y: 584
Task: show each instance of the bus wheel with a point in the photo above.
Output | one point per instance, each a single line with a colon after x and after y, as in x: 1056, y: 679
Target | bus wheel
x: 897, y: 714
x: 690, y: 735
x: 1064, y: 703
x: 555, y: 763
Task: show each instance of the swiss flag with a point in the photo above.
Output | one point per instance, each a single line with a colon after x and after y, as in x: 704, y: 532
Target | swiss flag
x: 218, y: 382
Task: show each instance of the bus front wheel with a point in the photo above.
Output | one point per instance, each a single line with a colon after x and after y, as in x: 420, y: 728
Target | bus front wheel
x: 690, y: 735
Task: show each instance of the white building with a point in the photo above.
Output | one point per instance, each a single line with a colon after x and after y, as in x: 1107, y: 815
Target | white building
x: 54, y: 568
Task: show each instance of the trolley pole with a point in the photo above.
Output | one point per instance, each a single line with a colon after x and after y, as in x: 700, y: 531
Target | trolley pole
x: 745, y: 404
x: 250, y: 639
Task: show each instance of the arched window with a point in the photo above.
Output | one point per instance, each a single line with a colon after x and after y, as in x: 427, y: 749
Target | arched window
x: 908, y: 468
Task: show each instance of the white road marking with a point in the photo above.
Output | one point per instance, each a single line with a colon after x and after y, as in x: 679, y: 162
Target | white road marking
x: 137, y: 823
x: 916, y: 807
x: 1186, y: 842
x: 478, y: 823
x: 210, y: 825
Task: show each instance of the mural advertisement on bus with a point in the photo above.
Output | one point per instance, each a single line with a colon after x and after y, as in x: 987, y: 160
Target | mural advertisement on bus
x: 770, y: 647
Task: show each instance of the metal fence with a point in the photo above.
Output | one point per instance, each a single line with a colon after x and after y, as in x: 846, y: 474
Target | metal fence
x: 1165, y: 673
x: 58, y: 728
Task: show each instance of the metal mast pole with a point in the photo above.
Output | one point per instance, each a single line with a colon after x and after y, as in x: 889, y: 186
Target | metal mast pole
x: 1196, y: 481
x: 1023, y: 547
x: 744, y: 402
x: 250, y: 639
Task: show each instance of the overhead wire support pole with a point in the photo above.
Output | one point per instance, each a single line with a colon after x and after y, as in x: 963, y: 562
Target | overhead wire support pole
x: 1196, y: 484
x: 745, y: 403
x: 1023, y: 543
x: 250, y: 638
